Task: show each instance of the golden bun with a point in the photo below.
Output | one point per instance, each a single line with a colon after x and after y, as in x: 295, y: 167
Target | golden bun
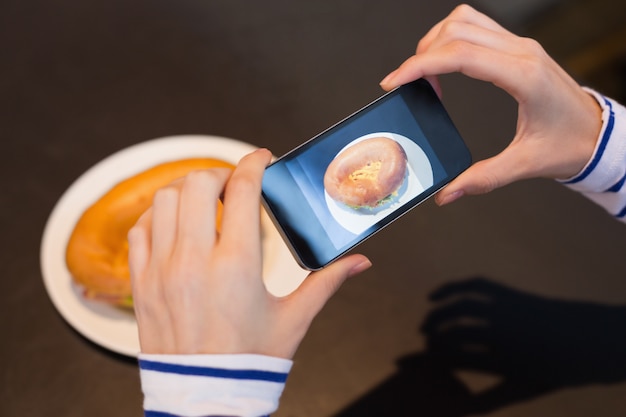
x: 97, y: 251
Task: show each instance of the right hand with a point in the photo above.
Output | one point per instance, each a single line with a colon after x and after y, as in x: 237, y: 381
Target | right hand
x: 558, y: 122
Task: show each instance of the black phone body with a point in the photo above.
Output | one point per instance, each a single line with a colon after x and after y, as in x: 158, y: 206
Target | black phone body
x: 318, y: 229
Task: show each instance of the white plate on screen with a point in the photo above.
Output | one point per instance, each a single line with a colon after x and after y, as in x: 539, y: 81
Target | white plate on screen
x: 115, y: 328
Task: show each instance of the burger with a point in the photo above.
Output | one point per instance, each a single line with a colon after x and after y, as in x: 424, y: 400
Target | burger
x: 367, y: 174
x: 97, y: 251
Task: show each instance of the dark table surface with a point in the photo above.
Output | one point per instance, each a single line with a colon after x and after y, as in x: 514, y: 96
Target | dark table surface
x: 545, y: 267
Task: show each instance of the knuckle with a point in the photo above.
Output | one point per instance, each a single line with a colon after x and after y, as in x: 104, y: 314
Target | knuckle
x: 533, y: 47
x: 488, y: 181
x: 134, y: 235
x: 463, y: 11
x: 243, y: 184
x: 450, y: 29
x: 491, y: 183
x: 186, y: 260
x: 421, y: 45
x: 200, y: 178
x: 203, y: 182
x: 166, y: 193
x: 533, y: 59
x: 197, y: 175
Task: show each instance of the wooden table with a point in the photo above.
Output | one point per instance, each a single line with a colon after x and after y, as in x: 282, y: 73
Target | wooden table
x: 82, y: 80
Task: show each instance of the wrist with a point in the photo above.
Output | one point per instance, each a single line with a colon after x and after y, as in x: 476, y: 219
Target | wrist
x: 590, y: 136
x: 212, y: 384
x: 606, y: 166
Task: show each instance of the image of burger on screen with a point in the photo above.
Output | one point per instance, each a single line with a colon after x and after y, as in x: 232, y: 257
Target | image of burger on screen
x: 372, y: 176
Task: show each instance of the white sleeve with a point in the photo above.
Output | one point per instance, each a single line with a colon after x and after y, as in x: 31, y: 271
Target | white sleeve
x: 212, y: 385
x: 602, y: 179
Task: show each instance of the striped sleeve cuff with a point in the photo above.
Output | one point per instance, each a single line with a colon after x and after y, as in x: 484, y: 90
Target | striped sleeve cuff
x: 603, y: 177
x: 212, y: 385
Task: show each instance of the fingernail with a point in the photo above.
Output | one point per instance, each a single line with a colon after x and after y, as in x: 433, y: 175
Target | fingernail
x: 387, y: 79
x: 449, y: 198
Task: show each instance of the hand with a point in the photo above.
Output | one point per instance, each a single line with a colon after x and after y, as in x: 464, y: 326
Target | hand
x: 197, y: 291
x: 558, y: 122
x: 534, y: 344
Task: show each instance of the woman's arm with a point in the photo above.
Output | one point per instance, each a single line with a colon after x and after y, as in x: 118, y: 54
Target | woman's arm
x: 214, y: 341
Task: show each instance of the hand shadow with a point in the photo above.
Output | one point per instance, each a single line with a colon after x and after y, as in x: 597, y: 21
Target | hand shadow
x: 533, y: 344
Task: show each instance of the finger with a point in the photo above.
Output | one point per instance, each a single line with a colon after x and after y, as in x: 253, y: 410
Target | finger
x: 486, y: 175
x: 475, y: 286
x: 164, y: 222
x: 466, y: 309
x: 197, y: 213
x: 462, y: 357
x: 463, y: 338
x: 319, y: 286
x: 435, y: 84
x: 461, y: 14
x: 241, y: 218
x: 155, y: 334
x: 476, y: 61
x: 139, y: 245
x: 512, y: 390
x: 464, y: 32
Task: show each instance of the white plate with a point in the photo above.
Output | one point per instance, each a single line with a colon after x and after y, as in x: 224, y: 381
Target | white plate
x: 111, y: 327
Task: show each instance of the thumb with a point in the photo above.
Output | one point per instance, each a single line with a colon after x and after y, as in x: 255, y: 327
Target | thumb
x: 483, y: 177
x: 319, y: 286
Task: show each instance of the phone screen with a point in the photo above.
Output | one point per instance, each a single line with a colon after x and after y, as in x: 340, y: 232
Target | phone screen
x: 320, y: 223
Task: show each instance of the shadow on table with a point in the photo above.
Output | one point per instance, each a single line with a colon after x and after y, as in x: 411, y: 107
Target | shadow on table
x: 532, y: 346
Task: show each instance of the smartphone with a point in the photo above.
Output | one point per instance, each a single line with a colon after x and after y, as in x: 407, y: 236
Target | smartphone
x: 345, y: 184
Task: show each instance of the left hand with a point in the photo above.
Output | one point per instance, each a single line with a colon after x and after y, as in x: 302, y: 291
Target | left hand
x: 197, y: 291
